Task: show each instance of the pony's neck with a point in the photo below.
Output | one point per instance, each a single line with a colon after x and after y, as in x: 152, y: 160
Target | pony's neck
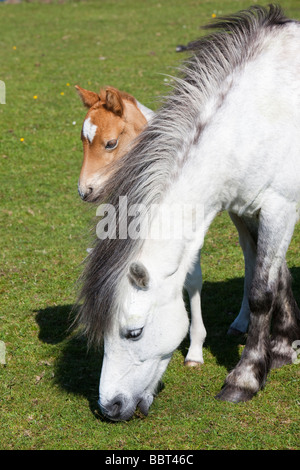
x: 200, y: 183
x: 185, y: 214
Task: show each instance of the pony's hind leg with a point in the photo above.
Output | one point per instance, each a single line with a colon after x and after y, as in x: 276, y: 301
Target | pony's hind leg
x: 286, y: 321
x: 275, y: 231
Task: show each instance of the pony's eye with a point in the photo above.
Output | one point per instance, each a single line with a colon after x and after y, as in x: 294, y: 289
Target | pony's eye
x: 111, y: 144
x: 134, y: 334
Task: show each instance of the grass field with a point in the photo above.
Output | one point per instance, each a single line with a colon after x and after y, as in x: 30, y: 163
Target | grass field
x: 49, y: 384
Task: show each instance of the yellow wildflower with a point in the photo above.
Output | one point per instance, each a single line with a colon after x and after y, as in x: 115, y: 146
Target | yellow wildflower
x: 22, y: 139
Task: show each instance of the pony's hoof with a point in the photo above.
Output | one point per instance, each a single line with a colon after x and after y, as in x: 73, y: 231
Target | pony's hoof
x: 234, y: 332
x: 189, y: 363
x: 234, y: 394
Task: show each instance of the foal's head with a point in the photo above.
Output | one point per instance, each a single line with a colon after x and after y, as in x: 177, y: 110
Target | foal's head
x: 112, y: 122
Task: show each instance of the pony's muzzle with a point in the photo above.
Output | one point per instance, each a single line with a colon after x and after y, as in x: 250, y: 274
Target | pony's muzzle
x: 120, y: 408
x: 117, y: 409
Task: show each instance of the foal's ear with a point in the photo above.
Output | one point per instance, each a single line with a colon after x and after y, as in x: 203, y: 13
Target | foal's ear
x: 89, y: 98
x: 113, y: 101
x: 139, y: 275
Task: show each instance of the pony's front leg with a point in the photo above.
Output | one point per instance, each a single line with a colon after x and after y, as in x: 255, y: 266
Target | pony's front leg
x: 248, y: 377
x: 248, y: 240
x: 193, y: 285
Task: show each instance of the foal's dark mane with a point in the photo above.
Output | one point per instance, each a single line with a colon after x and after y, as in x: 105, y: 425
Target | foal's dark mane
x: 147, y: 171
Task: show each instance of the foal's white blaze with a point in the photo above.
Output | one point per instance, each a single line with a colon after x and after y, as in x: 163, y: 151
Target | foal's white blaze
x: 89, y: 130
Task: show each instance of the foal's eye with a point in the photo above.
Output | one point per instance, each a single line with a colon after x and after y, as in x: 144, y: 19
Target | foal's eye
x: 111, y: 144
x: 134, y: 334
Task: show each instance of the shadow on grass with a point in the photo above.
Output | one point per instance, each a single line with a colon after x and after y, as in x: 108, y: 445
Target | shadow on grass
x: 77, y: 369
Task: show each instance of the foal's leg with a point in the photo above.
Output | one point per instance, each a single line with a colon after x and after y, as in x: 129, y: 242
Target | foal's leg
x: 286, y: 321
x: 193, y: 285
x: 275, y: 232
x: 248, y: 238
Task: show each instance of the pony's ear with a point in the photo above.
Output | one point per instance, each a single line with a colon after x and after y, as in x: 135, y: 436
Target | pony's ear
x: 113, y: 101
x: 89, y: 98
x: 139, y: 275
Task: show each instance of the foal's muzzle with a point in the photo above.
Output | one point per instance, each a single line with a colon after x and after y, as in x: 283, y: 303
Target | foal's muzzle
x: 84, y: 194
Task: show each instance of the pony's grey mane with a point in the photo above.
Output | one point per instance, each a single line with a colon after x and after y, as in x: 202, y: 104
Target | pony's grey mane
x: 150, y: 167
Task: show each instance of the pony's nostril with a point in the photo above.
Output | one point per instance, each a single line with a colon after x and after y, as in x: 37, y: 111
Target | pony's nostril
x: 115, y: 408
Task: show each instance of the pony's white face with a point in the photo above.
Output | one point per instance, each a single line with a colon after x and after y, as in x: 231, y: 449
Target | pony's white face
x: 151, y: 324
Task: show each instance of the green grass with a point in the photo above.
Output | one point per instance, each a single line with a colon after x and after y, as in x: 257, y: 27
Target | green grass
x: 49, y: 386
